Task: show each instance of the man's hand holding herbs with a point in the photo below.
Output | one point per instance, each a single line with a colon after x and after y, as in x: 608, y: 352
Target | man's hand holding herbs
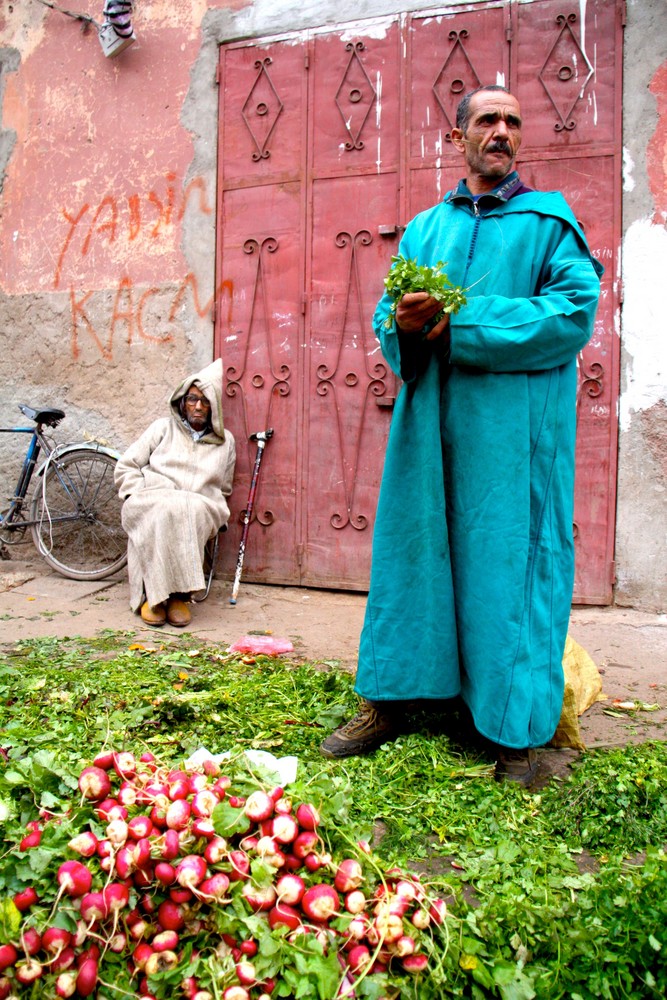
x: 421, y: 294
x: 415, y: 310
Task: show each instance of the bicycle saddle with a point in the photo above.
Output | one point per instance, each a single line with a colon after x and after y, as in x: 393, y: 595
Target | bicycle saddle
x: 49, y: 417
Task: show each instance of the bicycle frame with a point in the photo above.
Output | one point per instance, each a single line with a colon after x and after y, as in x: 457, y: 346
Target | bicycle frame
x: 36, y: 446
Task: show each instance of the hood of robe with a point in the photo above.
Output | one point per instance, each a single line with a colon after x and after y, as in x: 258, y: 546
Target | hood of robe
x: 209, y: 381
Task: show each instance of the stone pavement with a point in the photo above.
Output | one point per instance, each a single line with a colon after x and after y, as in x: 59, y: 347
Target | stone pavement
x: 629, y: 647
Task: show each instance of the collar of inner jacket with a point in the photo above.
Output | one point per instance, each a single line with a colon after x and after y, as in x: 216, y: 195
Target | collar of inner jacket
x: 509, y: 187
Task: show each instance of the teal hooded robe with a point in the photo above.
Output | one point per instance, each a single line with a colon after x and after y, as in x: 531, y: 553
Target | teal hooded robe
x: 473, y: 557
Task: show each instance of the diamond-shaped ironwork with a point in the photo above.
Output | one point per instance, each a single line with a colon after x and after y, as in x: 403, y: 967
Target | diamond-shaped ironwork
x: 355, y: 96
x: 565, y: 73
x: 261, y: 109
x: 456, y: 78
x: 367, y: 385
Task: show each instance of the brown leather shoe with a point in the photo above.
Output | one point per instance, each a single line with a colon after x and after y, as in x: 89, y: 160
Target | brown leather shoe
x: 153, y: 616
x: 178, y: 613
x: 519, y: 766
x: 366, y: 731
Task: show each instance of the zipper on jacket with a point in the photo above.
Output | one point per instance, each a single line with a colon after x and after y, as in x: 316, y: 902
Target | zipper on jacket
x: 473, y: 241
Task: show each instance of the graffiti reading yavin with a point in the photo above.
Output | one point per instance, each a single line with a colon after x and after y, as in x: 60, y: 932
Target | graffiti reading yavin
x: 151, y: 217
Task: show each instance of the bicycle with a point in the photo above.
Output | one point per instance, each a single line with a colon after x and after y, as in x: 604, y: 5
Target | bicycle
x: 75, y: 508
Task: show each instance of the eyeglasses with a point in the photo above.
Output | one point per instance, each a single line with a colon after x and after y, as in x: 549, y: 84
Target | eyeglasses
x: 192, y: 400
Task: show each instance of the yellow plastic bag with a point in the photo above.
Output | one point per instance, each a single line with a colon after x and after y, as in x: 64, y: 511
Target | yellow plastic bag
x: 583, y: 687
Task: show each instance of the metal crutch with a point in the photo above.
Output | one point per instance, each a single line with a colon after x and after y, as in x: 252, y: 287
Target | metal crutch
x: 261, y: 438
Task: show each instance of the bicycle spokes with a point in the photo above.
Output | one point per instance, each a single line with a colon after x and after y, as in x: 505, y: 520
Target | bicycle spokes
x: 77, y: 515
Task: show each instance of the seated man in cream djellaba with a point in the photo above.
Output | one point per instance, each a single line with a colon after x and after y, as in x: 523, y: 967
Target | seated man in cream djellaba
x: 174, y: 481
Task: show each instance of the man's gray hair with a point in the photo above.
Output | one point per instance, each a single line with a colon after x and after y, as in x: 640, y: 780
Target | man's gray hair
x: 463, y: 110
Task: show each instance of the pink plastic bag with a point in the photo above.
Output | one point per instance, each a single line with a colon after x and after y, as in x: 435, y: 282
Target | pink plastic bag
x: 269, y: 645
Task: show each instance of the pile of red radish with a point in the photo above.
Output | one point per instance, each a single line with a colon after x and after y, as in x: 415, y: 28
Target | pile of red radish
x: 159, y: 882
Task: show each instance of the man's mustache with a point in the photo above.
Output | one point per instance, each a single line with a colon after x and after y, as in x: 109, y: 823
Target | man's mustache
x: 500, y: 146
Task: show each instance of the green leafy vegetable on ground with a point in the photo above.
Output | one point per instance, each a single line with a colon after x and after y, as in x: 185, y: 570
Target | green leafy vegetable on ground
x: 555, y: 894
x: 406, y: 276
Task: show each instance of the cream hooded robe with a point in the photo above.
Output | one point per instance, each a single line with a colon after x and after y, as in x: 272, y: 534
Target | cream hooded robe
x: 174, y: 488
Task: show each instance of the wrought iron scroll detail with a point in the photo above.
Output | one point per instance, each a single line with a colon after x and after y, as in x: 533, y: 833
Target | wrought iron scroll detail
x: 355, y: 96
x: 331, y: 378
x: 262, y: 109
x: 277, y: 376
x: 590, y: 380
x: 457, y: 77
x: 562, y: 73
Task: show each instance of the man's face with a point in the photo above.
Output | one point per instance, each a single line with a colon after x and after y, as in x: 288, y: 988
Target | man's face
x: 197, y: 408
x: 491, y: 140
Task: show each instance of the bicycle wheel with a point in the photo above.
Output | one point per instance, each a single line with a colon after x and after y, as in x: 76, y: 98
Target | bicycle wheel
x: 76, y: 510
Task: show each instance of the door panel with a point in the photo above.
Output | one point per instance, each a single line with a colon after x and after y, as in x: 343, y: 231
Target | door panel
x: 566, y: 69
x: 330, y: 141
x: 580, y: 179
x: 262, y: 135
x: 355, y: 102
x: 259, y: 292
x: 429, y: 186
x: 350, y: 389
x: 450, y: 55
x: 352, y: 233
x: 567, y: 77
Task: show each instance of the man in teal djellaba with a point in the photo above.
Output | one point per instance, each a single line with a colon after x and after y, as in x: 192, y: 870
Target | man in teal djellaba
x: 473, y: 557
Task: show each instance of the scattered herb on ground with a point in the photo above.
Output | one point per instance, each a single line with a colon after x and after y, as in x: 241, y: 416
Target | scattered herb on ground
x: 526, y: 917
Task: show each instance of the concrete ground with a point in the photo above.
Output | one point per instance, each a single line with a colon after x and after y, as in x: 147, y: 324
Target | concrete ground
x: 629, y: 647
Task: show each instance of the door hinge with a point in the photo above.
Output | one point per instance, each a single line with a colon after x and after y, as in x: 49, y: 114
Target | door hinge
x: 304, y: 303
x: 509, y: 33
x: 214, y: 311
x: 299, y: 555
x: 306, y: 62
x: 612, y: 573
x: 217, y: 74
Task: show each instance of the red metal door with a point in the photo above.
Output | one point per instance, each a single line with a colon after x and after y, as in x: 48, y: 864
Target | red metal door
x: 329, y: 141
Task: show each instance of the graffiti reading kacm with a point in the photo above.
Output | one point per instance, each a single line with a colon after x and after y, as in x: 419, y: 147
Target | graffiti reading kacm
x: 105, y: 223
x: 126, y: 312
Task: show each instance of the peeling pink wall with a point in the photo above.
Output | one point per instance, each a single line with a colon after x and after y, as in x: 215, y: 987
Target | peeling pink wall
x: 656, y: 152
x: 94, y: 193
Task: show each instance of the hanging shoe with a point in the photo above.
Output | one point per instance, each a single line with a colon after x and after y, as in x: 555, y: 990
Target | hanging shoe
x: 366, y: 731
x: 519, y: 766
x: 178, y: 613
x: 153, y: 616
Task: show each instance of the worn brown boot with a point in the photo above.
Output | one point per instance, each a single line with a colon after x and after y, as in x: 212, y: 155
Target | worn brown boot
x: 519, y: 766
x: 153, y: 616
x: 366, y: 731
x: 178, y: 613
